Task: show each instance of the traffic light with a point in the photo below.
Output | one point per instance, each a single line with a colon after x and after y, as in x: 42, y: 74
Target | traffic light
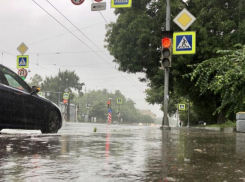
x: 166, y: 52
x: 108, y: 104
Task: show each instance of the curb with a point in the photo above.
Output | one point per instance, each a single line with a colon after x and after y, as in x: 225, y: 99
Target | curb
x: 225, y: 130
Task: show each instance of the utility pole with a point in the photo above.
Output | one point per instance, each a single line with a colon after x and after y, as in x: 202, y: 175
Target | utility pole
x: 165, y: 123
x: 88, y: 107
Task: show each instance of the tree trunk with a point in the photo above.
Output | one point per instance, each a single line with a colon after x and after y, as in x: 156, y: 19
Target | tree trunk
x: 221, y: 117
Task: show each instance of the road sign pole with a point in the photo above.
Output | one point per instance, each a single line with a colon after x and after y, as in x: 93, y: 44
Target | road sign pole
x: 188, y: 124
x: 59, y: 99
x: 165, y: 123
x: 109, y: 112
x: 177, y: 115
x: 68, y: 110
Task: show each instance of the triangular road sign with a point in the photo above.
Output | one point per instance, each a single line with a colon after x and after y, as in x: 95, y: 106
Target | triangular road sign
x: 184, y: 44
x: 22, y: 62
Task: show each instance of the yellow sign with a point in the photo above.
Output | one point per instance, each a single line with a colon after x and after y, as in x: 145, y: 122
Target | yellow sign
x: 66, y: 96
x: 23, y: 61
x: 22, y: 48
x: 184, y: 19
x: 184, y: 42
x: 40, y: 93
x: 121, y: 3
x: 119, y: 101
x: 181, y: 107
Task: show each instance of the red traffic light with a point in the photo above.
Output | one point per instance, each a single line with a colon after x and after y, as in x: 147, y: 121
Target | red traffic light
x: 166, y: 42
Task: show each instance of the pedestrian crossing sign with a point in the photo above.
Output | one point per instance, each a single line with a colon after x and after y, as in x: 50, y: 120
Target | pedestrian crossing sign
x: 66, y: 95
x: 184, y: 42
x: 181, y: 107
x: 121, y: 3
x: 23, y: 61
x: 119, y: 101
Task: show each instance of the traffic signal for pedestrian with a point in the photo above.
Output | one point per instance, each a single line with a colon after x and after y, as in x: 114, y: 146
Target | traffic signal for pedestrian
x: 166, y: 52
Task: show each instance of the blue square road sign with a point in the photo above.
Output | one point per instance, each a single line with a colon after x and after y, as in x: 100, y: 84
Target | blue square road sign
x: 23, y: 61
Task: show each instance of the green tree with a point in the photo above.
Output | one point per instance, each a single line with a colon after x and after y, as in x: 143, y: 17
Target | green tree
x: 147, y: 119
x: 99, y: 111
x: 36, y: 80
x: 64, y: 80
x: 97, y: 101
x: 134, y: 41
x: 224, y: 77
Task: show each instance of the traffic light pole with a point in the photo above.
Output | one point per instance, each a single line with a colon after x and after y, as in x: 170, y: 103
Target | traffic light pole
x: 166, y: 80
x: 165, y: 123
x: 68, y: 109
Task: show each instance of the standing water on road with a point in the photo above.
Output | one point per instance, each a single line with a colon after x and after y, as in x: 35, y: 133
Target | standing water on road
x: 121, y: 153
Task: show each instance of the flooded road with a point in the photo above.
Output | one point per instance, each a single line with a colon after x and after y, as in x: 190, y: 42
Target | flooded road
x: 121, y: 153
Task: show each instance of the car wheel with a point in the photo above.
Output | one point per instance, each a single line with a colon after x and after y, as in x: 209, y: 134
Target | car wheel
x: 52, y: 126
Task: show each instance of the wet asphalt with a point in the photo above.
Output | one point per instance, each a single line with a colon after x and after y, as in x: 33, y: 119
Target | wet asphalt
x: 121, y: 153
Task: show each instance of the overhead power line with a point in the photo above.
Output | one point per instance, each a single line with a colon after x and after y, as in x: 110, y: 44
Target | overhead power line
x: 101, y: 14
x: 29, y: 61
x: 83, y: 35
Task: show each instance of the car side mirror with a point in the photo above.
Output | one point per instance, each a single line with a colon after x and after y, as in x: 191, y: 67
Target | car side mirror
x: 35, y: 89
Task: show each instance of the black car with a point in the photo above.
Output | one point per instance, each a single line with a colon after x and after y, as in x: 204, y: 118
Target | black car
x: 22, y: 108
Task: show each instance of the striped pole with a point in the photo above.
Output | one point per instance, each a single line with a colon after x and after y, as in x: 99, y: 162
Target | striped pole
x: 109, y: 111
x: 109, y: 116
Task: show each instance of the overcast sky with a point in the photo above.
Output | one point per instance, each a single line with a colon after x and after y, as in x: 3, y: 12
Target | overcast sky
x: 54, y: 43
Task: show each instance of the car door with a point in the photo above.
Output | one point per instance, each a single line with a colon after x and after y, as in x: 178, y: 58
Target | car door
x: 16, y: 93
x: 5, y: 107
x: 29, y: 110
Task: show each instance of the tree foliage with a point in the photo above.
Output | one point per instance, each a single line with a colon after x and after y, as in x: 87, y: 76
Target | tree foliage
x: 36, y: 80
x: 224, y: 76
x: 64, y: 80
x: 134, y: 41
x: 97, y: 102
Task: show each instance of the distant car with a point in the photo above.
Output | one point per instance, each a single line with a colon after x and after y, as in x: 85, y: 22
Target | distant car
x: 22, y: 108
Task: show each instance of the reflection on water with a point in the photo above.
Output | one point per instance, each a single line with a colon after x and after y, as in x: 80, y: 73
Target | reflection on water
x: 123, y: 153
